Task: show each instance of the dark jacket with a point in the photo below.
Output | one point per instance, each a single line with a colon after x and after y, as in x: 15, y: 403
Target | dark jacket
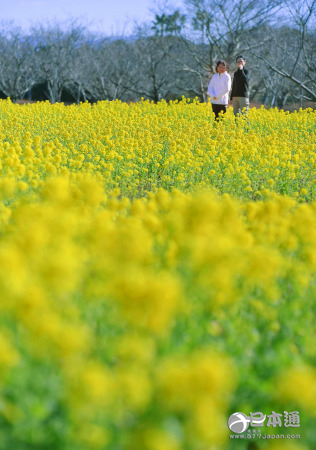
x: 240, y: 86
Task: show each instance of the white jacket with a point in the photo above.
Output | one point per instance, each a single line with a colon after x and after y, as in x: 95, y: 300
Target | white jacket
x: 219, y: 86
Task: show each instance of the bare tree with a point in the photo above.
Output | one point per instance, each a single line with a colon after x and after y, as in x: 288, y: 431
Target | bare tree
x: 226, y: 25
x: 80, y: 70
x: 297, y: 44
x: 111, y: 67
x: 56, y: 51
x: 17, y: 63
x: 156, y: 71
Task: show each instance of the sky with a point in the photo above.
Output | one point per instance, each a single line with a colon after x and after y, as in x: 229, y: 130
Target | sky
x: 105, y: 16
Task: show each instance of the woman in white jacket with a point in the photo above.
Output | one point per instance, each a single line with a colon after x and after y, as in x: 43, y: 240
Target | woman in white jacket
x: 219, y: 88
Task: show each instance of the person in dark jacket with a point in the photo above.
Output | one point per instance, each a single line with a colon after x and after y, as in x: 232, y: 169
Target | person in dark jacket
x: 240, y: 89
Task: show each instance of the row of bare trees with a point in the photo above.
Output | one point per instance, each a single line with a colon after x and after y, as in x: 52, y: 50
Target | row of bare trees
x: 172, y: 56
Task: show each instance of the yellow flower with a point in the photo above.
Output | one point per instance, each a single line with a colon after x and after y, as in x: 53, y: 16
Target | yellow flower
x: 9, y: 356
x: 148, y: 301
x: 297, y: 385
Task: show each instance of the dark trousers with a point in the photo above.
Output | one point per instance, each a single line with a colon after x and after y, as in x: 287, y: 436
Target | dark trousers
x: 217, y: 109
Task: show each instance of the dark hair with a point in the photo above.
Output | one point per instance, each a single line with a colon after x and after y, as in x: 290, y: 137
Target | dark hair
x: 221, y: 62
x: 241, y: 57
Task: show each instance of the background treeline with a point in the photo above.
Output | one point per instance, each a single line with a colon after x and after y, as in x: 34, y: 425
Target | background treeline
x: 173, y: 55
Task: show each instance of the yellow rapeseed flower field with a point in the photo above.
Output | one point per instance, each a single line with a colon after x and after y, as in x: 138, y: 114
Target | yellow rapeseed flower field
x: 157, y: 274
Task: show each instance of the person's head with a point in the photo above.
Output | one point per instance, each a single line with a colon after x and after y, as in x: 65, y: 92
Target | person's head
x: 240, y: 60
x: 221, y: 66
